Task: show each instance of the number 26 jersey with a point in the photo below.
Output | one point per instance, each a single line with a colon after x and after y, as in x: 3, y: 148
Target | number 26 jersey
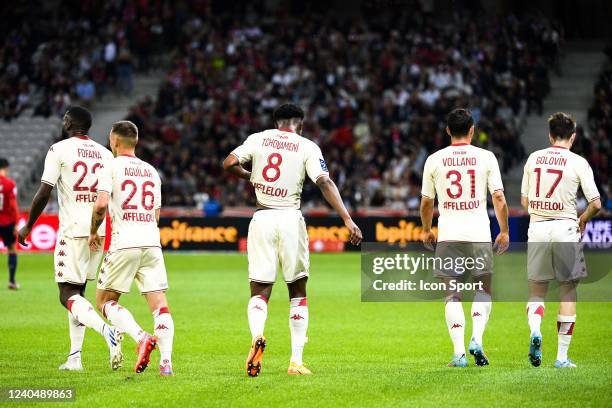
x: 280, y: 161
x: 135, y: 189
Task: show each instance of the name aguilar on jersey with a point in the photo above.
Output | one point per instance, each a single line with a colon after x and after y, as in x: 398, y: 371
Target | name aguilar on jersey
x: 549, y: 159
x: 136, y: 215
x: 464, y: 161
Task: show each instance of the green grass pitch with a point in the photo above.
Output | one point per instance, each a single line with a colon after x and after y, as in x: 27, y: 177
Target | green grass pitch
x: 361, y: 354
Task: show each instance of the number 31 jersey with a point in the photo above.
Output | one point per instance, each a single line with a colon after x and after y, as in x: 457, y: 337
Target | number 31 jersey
x: 73, y: 165
x: 461, y: 175
x: 135, y: 189
x: 280, y: 161
x: 551, y: 179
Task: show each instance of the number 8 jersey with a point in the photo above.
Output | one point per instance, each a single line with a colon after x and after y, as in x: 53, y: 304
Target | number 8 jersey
x: 280, y: 161
x: 73, y: 165
x: 460, y: 175
x: 135, y: 189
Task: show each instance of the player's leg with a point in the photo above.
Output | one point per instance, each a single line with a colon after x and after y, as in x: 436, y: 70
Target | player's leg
x: 257, y: 313
x: 295, y: 264
x: 565, y: 323
x: 455, y: 322
x: 71, y: 296
x: 7, y: 235
x: 163, y: 326
x: 257, y: 308
x: 298, y: 324
x: 263, y: 265
x: 152, y: 281
x: 77, y: 336
x: 481, y: 310
x: 535, y: 314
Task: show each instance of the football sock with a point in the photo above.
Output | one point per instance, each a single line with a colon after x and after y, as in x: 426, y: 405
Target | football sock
x: 257, y: 311
x: 164, y: 331
x: 481, y: 309
x: 77, y: 335
x: 298, y: 324
x: 535, y: 313
x: 565, y: 329
x: 455, y: 321
x: 85, y: 314
x: 12, y: 267
x: 120, y: 317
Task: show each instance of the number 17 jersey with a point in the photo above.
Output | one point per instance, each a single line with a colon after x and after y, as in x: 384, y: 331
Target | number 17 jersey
x: 280, y: 160
x: 73, y: 165
x: 461, y: 175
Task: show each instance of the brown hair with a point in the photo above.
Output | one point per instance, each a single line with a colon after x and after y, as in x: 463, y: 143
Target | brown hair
x: 561, y: 126
x: 125, y: 129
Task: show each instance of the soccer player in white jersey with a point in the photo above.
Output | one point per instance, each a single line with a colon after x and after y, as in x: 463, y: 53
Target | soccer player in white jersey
x: 280, y: 159
x: 551, y: 180
x: 460, y: 176
x: 132, y: 189
x: 73, y: 165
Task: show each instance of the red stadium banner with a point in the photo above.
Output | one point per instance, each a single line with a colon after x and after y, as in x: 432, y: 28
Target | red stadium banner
x: 44, y: 233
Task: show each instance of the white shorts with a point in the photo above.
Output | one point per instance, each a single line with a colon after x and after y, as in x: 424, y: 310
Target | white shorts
x: 277, y: 238
x: 143, y: 265
x: 554, y: 251
x: 74, y: 261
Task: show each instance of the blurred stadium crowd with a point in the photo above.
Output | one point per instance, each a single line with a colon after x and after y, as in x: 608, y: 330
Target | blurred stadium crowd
x: 375, y: 88
x: 375, y: 97
x: 75, y: 53
x: 597, y: 148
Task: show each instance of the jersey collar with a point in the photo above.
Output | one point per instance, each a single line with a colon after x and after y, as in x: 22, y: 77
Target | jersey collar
x: 83, y: 137
x: 126, y: 155
x: 286, y: 130
x: 559, y: 147
x: 459, y: 144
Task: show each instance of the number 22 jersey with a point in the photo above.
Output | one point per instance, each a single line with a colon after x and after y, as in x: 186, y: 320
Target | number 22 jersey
x: 280, y: 161
x: 135, y: 189
x: 73, y: 165
x: 460, y: 175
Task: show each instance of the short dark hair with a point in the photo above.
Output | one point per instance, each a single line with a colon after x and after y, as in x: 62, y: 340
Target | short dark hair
x: 459, y: 122
x: 80, y: 118
x: 288, y: 111
x: 125, y: 128
x: 561, y: 126
x: 3, y: 163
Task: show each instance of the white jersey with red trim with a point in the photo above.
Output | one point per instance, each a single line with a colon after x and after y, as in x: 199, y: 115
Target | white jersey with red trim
x: 460, y: 176
x: 135, y: 189
x: 280, y: 161
x: 551, y: 179
x: 73, y: 165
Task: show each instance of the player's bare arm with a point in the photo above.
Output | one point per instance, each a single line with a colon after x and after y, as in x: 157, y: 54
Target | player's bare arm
x: 426, y: 211
x: 591, y: 211
x: 332, y: 196
x: 525, y: 202
x: 231, y: 164
x: 97, y: 216
x: 39, y: 202
x: 501, y: 213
